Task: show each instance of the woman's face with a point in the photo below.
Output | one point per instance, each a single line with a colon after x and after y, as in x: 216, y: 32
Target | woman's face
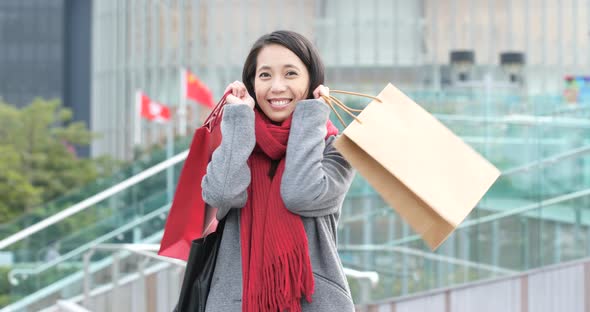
x: 280, y: 81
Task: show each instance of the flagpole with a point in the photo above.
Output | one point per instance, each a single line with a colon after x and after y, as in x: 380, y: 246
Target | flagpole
x: 170, y: 154
x: 182, y: 115
x: 137, y: 119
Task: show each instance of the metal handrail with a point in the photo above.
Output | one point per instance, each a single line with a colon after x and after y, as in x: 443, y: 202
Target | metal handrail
x: 148, y: 251
x: 427, y: 255
x: 78, y: 251
x: 520, y: 119
x: 68, y: 306
x: 180, y: 157
x: 566, y: 110
x: 508, y: 172
x: 547, y: 161
x: 522, y: 209
x: 43, y: 293
x: 504, y: 214
x: 527, y: 120
x: 92, y: 200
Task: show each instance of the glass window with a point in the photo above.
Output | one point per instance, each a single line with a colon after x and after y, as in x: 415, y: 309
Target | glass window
x: 11, y: 3
x: 28, y: 3
x: 31, y: 54
x: 54, y: 53
x: 12, y: 52
x: 28, y: 52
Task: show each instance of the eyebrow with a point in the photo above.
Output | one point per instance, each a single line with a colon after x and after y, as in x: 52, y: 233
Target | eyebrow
x: 266, y: 67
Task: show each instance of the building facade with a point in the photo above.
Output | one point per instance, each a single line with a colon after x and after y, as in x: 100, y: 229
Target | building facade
x: 45, y: 52
x: 142, y: 44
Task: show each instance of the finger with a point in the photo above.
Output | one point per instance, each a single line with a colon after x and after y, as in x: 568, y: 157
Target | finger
x: 316, y: 93
x: 320, y: 90
x: 229, y: 99
x: 232, y: 100
x: 235, y: 89
x: 230, y: 87
x: 237, y: 85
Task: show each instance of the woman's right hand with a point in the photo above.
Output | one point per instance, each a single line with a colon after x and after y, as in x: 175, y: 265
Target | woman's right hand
x: 239, y: 94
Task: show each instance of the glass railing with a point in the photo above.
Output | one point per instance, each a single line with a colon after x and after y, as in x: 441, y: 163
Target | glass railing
x: 75, y: 196
x: 502, y: 236
x: 121, y: 218
x: 373, y: 237
x: 125, y: 200
x: 83, y: 228
x: 535, y: 215
x: 122, y: 227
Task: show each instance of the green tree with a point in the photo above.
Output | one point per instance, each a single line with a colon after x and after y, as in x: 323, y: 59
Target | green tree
x: 37, y: 159
x: 15, y: 190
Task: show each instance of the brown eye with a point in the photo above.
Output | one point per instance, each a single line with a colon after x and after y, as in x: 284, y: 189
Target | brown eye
x: 263, y: 75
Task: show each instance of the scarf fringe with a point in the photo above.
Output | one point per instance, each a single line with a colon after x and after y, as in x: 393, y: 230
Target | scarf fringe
x: 283, y: 285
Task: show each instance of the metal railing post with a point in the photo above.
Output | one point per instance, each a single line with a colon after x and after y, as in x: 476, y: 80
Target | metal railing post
x: 115, y: 278
x: 142, y: 297
x: 87, y: 276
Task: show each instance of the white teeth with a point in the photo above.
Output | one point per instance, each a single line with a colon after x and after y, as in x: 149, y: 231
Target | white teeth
x: 280, y: 103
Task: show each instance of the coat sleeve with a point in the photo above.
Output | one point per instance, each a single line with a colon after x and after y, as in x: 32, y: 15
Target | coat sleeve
x: 316, y: 176
x: 226, y: 181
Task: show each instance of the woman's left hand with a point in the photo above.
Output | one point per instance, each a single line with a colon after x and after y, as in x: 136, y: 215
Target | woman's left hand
x: 319, y: 91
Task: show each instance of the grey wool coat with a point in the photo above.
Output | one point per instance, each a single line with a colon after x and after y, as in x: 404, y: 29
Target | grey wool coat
x: 315, y: 181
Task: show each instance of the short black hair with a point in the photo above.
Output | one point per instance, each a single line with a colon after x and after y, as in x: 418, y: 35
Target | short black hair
x: 295, y: 42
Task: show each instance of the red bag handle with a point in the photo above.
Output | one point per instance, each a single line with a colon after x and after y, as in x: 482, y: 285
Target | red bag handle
x: 216, y: 112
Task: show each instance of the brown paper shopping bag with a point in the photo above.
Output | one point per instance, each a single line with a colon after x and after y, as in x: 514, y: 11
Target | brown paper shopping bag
x: 422, y: 169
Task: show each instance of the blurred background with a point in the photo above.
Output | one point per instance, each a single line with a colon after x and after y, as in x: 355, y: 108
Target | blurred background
x: 87, y: 176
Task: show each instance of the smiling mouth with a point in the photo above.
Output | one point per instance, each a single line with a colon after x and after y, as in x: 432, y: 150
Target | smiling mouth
x: 279, y: 103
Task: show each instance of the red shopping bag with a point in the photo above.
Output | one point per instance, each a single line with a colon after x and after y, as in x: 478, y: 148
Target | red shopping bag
x: 190, y: 217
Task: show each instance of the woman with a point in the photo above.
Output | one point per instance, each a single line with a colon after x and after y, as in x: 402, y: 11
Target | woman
x: 280, y: 184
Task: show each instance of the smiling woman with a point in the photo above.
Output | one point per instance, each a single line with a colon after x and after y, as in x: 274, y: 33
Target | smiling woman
x: 281, y: 81
x: 279, y: 184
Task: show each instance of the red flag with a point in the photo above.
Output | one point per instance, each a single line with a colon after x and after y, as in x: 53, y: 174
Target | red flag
x: 197, y: 91
x: 153, y: 111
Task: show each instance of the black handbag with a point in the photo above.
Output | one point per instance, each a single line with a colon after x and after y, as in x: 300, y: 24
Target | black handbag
x: 199, y: 272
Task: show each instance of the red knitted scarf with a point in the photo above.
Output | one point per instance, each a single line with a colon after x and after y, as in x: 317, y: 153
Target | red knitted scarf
x: 276, y: 268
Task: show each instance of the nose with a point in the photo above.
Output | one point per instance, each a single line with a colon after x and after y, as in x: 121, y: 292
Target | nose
x: 278, y: 86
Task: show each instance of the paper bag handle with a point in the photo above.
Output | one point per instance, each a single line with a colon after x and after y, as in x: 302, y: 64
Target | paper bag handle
x: 357, y: 94
x: 331, y: 101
